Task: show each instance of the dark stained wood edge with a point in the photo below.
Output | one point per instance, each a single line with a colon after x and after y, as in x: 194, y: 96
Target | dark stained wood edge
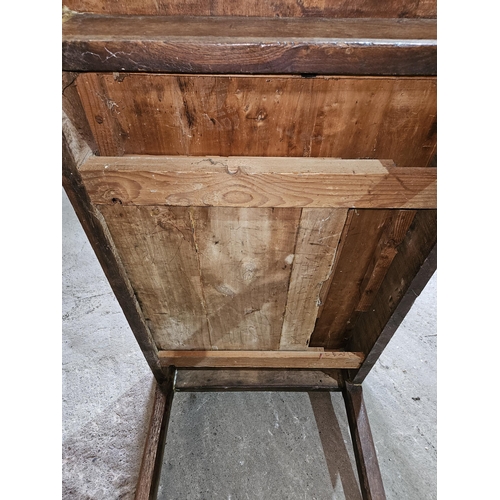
x: 152, y: 460
x: 75, y: 151
x: 370, y: 478
x: 132, y: 50
x: 415, y: 289
x: 235, y: 380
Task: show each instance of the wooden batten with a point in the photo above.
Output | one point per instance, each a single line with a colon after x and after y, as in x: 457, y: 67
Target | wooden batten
x: 257, y: 46
x: 257, y: 182
x: 261, y: 359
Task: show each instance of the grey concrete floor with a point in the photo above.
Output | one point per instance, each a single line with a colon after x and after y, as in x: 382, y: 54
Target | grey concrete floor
x: 232, y: 445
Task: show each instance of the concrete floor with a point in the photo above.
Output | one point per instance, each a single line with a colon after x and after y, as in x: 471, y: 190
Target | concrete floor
x: 232, y: 445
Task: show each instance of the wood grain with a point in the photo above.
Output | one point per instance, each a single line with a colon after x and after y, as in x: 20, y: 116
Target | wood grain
x: 75, y: 151
x: 255, y: 46
x: 383, y: 256
x: 233, y: 379
x: 344, y: 117
x: 317, y: 240
x: 154, y: 441
x: 260, y: 359
x: 361, y: 240
x: 365, y: 453
x: 258, y: 182
x: 245, y: 263
x: 261, y: 8
x: 410, y: 270
x: 158, y: 249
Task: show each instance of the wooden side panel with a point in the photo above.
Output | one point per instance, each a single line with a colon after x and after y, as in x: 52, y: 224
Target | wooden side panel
x: 368, y: 326
x: 158, y: 249
x: 361, y: 240
x: 245, y: 261
x: 317, y: 241
x: 261, y: 8
x: 342, y: 117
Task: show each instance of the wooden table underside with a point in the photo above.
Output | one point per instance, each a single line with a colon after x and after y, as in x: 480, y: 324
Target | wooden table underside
x: 254, y: 222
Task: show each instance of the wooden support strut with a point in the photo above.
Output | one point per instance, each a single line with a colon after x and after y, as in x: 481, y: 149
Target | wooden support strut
x: 196, y: 380
x: 257, y: 182
x: 370, y: 478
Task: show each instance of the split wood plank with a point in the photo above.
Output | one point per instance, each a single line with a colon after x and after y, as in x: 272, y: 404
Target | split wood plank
x: 262, y: 8
x: 317, y: 240
x: 233, y: 379
x: 257, y: 182
x: 336, y: 117
x: 255, y: 46
x: 158, y: 249
x: 245, y: 258
x: 361, y: 240
x: 260, y: 359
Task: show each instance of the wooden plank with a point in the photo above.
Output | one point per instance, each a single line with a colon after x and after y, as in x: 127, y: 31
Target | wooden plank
x: 149, y: 475
x: 361, y: 240
x: 370, y: 478
x: 317, y: 240
x: 257, y: 182
x: 260, y: 359
x: 410, y: 271
x: 254, y: 46
x: 74, y: 152
x: 158, y: 248
x: 245, y: 258
x: 341, y: 117
x: 233, y: 379
x: 386, y: 250
x: 262, y: 8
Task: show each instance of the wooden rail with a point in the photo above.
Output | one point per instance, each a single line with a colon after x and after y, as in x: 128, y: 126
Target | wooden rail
x: 257, y: 182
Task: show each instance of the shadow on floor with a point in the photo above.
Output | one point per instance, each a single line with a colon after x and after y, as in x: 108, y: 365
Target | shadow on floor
x: 337, y: 458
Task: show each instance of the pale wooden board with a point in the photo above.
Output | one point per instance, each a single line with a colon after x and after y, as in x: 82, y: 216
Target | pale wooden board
x: 158, y: 250
x: 258, y: 182
x: 317, y: 241
x: 342, y: 117
x: 261, y: 359
x: 245, y: 261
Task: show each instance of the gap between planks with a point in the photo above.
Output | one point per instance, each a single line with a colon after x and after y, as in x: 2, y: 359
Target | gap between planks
x: 261, y: 359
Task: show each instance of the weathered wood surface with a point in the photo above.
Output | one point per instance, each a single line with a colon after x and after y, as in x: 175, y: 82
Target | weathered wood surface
x: 408, y: 274
x: 370, y: 478
x: 255, y: 46
x: 262, y: 8
x: 234, y: 379
x: 360, y: 242
x: 341, y: 117
x: 158, y: 248
x: 75, y: 151
x: 317, y: 239
x: 152, y: 446
x: 258, y: 182
x: 245, y: 258
x: 395, y: 230
x: 261, y: 359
